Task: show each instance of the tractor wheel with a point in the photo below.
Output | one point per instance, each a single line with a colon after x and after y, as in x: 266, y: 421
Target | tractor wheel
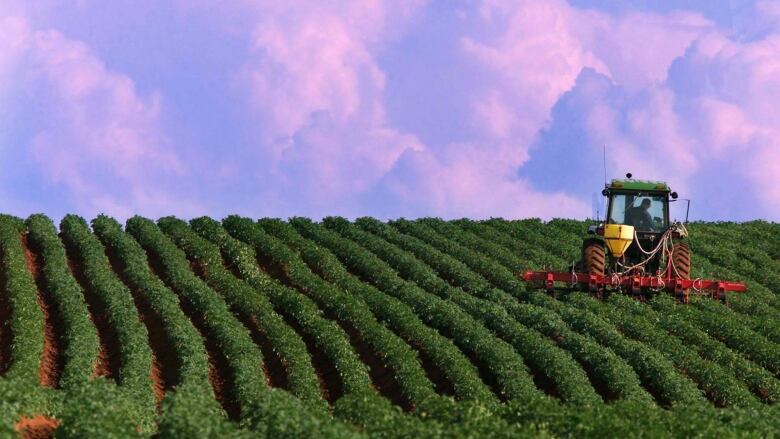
x: 594, y: 256
x: 681, y: 259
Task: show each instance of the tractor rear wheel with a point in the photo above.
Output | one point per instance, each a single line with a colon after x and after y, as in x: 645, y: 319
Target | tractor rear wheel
x: 594, y: 256
x: 681, y: 260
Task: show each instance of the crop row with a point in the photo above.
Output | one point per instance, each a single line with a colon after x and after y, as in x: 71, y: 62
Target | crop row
x: 499, y: 359
x: 455, y: 367
x: 398, y: 357
x: 358, y: 405
x: 258, y: 405
x: 117, y: 301
x: 300, y: 376
x: 719, y: 384
x: 537, y: 349
x: 26, y: 318
x: 602, y: 363
x: 79, y: 334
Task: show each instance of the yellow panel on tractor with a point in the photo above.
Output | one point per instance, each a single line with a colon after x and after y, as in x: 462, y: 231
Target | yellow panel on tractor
x: 618, y: 238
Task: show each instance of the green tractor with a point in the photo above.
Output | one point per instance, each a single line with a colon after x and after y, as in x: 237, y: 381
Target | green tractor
x: 636, y: 249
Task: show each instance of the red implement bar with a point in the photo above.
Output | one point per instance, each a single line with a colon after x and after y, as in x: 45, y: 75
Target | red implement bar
x: 635, y: 284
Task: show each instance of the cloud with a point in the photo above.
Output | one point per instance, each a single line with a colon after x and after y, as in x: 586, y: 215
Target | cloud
x: 733, y: 111
x: 91, y: 132
x: 530, y: 54
x: 534, y: 89
x: 317, y: 90
x: 709, y: 128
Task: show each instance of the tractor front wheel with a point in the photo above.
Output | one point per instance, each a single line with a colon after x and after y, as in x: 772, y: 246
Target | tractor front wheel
x: 594, y: 256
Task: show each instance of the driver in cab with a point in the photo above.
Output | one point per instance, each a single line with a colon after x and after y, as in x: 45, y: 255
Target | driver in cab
x: 639, y: 216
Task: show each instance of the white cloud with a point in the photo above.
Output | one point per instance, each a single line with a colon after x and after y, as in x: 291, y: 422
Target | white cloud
x: 93, y: 133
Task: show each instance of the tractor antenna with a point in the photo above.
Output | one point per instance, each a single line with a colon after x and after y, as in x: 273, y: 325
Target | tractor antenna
x: 604, y: 156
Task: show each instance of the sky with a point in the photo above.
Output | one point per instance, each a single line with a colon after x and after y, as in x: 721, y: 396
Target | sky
x: 386, y: 108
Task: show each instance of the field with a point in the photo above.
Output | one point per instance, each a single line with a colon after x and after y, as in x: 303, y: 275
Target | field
x: 401, y: 329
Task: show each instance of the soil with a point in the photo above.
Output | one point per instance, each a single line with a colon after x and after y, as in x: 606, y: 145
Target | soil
x: 52, y: 360
x: 442, y: 384
x: 274, y: 368
x: 37, y: 427
x: 165, y: 364
x: 331, y: 384
x: 487, y: 376
x: 109, y: 356
x: 383, y: 377
x: 602, y: 387
x: 220, y: 375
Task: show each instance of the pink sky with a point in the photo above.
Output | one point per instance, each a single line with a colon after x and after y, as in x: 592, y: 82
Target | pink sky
x: 385, y: 108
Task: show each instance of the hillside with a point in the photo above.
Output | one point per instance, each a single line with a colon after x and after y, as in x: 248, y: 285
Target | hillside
x: 401, y: 329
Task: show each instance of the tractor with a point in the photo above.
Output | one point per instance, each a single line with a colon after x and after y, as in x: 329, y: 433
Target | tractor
x: 636, y: 249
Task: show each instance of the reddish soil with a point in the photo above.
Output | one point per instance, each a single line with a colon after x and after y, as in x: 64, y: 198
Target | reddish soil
x: 274, y: 367
x: 109, y: 357
x: 601, y: 386
x: 220, y: 375
x: 165, y: 364
x: 37, y: 427
x: 442, y: 384
x: 487, y: 376
x: 52, y: 360
x: 331, y: 385
x: 6, y: 336
x: 383, y: 377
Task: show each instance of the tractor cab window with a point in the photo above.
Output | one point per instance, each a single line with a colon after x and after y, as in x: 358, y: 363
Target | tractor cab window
x: 645, y: 212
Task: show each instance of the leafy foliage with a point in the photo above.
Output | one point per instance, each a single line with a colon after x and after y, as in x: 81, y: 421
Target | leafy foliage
x: 436, y: 305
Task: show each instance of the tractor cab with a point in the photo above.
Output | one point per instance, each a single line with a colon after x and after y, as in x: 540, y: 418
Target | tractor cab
x: 641, y: 204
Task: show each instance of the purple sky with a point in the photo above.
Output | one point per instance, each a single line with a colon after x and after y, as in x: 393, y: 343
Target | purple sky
x: 386, y: 108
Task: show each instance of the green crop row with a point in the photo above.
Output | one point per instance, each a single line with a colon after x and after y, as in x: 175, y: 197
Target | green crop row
x: 504, y: 365
x: 719, y: 384
x: 494, y: 272
x: 271, y: 412
x: 537, y: 349
x: 244, y: 359
x: 191, y: 407
x: 397, y: 356
x: 26, y: 321
x: 455, y: 367
x: 301, y: 378
x: 327, y: 335
x: 117, y: 301
x: 758, y: 379
x: 654, y: 369
x: 80, y: 338
x: 358, y: 405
